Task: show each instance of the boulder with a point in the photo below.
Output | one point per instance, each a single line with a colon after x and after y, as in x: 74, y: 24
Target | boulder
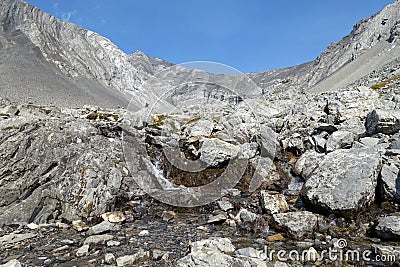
x: 388, y: 228
x: 215, y: 152
x: 299, y: 224
x: 273, y: 203
x: 383, y: 121
x: 307, y: 163
x: 344, y: 181
x: 339, y: 140
x: 390, y: 182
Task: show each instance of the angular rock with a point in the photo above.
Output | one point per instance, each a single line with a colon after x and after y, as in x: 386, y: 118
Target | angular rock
x: 299, y: 224
x: 79, y: 225
x: 345, y: 181
x: 389, y: 228
x: 246, y: 216
x: 273, y: 203
x: 339, y: 140
x: 307, y: 163
x: 15, y: 238
x: 390, y: 183
x: 225, y: 205
x: 319, y: 143
x: 383, y: 121
x: 109, y: 258
x: 131, y: 260
x: 82, y: 251
x: 97, y: 239
x: 214, y: 151
x: 12, y: 263
x: 217, y: 218
x: 210, y: 252
x: 202, y: 127
x: 103, y: 227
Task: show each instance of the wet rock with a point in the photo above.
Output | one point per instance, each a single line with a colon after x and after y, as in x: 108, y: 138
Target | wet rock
x: 388, y: 228
x: 103, y: 227
x: 273, y: 203
x: 383, y: 121
x: 82, y: 251
x: 114, y: 217
x: 390, y: 183
x: 219, y: 218
x: 344, y: 181
x: 214, y: 151
x: 131, y: 260
x: 12, y: 263
x: 339, y: 140
x: 299, y: 224
x: 15, y: 238
x: 97, y: 239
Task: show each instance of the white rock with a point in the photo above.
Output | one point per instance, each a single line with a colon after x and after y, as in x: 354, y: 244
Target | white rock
x: 82, y: 251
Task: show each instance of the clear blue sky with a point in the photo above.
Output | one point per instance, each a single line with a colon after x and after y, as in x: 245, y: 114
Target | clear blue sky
x: 250, y: 35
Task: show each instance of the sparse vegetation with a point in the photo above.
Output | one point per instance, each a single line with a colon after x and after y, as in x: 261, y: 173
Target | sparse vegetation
x: 385, y: 82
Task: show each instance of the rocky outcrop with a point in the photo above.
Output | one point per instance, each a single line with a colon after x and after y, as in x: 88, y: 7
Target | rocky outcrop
x: 59, y: 166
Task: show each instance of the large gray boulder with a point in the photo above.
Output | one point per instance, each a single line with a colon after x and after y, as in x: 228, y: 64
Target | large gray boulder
x: 214, y: 151
x: 383, y: 121
x: 345, y: 180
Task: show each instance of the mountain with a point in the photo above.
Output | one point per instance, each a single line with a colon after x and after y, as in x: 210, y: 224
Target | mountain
x: 371, y: 45
x: 47, y: 61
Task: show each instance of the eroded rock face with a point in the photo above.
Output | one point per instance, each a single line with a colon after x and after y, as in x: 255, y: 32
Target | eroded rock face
x: 345, y: 180
x: 56, y: 166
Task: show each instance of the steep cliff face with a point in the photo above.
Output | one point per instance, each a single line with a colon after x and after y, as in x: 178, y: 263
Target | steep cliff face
x: 75, y: 51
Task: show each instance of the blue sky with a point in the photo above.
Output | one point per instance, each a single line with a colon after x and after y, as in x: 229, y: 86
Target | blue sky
x: 249, y: 35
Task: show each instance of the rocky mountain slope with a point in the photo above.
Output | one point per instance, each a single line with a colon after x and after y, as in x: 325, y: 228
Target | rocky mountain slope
x: 200, y: 177
x: 372, y: 44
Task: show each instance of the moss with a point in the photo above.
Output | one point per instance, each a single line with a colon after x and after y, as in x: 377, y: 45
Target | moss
x: 102, y: 116
x: 159, y: 119
x: 385, y: 82
x: 88, y: 208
